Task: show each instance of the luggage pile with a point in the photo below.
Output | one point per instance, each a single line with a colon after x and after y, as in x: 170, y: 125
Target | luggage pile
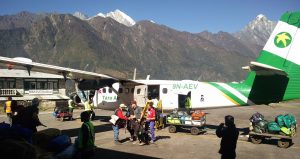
x: 62, y: 112
x: 48, y: 143
x: 182, y: 117
x: 283, y: 124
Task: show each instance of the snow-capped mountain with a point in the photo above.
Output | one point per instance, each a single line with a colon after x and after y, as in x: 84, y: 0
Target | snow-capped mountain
x: 119, y: 16
x: 257, y: 31
x: 80, y: 15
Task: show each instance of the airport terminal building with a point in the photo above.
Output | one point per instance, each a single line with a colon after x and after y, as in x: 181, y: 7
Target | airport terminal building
x: 21, y: 86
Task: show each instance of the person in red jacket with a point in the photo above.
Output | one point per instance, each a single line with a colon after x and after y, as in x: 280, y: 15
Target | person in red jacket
x: 151, y: 121
x: 121, y: 122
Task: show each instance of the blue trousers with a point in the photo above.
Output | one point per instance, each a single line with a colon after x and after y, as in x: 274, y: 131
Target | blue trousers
x: 116, y: 132
x: 152, y: 130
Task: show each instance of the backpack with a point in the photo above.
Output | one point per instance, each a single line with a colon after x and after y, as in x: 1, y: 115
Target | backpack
x: 157, y: 114
x: 197, y: 115
x: 273, y: 127
x: 280, y: 120
x: 257, y: 117
x: 120, y: 122
x: 289, y: 120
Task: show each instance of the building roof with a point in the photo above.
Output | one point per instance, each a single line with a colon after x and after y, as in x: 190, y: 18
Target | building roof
x: 24, y: 74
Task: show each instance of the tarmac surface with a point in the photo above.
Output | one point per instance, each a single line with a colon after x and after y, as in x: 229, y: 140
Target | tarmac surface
x: 182, y: 144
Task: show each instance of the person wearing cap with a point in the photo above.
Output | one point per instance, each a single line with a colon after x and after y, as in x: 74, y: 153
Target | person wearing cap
x: 120, y: 123
x: 229, y: 134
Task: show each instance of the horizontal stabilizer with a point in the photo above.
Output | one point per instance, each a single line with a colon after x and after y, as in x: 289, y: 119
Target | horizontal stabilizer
x: 264, y: 69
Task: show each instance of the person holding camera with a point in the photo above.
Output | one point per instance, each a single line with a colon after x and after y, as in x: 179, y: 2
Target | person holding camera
x: 229, y: 134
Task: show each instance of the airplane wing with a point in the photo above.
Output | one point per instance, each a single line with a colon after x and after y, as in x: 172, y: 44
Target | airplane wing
x: 27, y: 64
x: 264, y: 69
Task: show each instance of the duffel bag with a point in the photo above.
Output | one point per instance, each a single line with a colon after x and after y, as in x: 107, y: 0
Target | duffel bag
x: 59, y: 143
x: 197, y: 115
x: 262, y: 125
x: 286, y: 131
x: 279, y: 120
x: 273, y: 127
x: 289, y: 120
x: 257, y: 117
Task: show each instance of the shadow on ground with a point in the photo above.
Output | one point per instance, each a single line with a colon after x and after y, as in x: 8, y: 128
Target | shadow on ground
x: 112, y: 154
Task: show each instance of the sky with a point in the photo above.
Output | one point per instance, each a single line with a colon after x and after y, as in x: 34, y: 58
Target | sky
x: 184, y: 15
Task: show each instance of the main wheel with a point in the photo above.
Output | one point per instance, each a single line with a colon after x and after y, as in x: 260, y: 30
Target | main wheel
x: 172, y: 129
x: 194, y: 131
x: 283, y: 143
x: 256, y: 139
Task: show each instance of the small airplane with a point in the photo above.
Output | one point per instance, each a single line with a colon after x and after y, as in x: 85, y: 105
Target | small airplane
x: 273, y: 77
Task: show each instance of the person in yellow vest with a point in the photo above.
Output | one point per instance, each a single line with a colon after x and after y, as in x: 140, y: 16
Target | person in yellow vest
x: 159, y: 124
x: 8, y: 109
x: 71, y: 106
x: 85, y: 143
x: 187, y: 103
x: 89, y: 107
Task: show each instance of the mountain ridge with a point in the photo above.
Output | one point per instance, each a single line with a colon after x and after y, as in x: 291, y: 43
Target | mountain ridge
x: 110, y: 47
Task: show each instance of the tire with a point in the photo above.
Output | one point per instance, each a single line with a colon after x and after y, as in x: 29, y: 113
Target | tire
x: 195, y: 131
x: 256, y: 139
x: 284, y: 143
x: 172, y: 129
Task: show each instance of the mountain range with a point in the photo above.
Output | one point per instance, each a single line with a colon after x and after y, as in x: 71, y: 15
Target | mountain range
x: 115, y: 44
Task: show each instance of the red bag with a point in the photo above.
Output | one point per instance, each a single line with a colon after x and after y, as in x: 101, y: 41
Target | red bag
x: 197, y: 115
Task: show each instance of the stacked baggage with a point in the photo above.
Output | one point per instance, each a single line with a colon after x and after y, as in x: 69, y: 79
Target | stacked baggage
x: 283, y: 124
x: 182, y: 117
x: 287, y: 124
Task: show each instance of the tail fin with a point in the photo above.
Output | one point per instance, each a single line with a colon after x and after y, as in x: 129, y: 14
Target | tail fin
x: 276, y: 75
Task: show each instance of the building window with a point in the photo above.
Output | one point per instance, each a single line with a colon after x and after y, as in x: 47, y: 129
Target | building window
x: 1, y: 84
x: 40, y: 84
x: 7, y: 83
x: 138, y: 91
x: 127, y: 90
x: 132, y: 90
x: 120, y: 90
x: 165, y: 90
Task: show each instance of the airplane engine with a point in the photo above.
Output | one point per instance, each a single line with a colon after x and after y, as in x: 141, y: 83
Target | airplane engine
x: 76, y: 98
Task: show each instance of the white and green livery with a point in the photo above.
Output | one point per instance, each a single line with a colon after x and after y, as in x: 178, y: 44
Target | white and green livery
x: 274, y: 77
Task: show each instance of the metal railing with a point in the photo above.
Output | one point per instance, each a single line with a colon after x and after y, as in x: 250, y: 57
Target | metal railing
x: 8, y: 92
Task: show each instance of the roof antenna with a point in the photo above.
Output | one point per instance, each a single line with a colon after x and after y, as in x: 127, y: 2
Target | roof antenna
x: 28, y: 67
x: 134, y: 74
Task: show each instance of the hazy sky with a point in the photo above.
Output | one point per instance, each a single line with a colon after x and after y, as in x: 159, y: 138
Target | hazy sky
x: 184, y: 15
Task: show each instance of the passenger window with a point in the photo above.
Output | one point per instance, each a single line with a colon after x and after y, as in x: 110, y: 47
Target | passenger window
x: 109, y: 90
x: 165, y: 90
x: 104, y: 90
x: 138, y: 91
x: 120, y: 90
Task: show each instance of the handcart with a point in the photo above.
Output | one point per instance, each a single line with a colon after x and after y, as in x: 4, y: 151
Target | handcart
x: 283, y: 141
x: 195, y: 126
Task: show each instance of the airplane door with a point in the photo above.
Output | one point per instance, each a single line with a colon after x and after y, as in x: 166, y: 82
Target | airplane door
x: 140, y: 95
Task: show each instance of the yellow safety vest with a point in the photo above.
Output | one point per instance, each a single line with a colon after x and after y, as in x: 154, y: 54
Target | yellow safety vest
x: 87, y: 106
x: 8, y: 107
